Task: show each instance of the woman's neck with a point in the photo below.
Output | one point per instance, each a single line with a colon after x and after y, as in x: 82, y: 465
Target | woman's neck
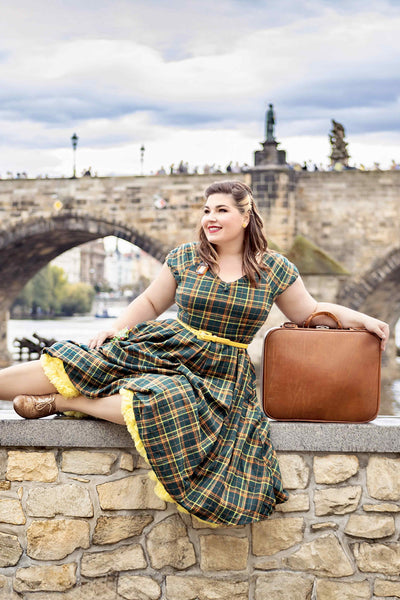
x: 227, y: 251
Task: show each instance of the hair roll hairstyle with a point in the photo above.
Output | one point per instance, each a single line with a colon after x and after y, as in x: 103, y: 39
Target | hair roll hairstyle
x: 255, y: 242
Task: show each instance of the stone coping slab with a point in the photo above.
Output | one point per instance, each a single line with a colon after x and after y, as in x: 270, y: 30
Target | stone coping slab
x: 381, y: 435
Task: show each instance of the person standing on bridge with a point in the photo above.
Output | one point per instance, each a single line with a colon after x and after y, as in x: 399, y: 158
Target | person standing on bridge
x: 185, y: 387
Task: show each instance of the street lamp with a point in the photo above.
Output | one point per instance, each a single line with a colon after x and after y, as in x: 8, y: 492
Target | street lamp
x: 142, y: 149
x: 74, y: 140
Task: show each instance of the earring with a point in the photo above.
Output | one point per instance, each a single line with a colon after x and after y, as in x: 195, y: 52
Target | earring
x: 244, y: 225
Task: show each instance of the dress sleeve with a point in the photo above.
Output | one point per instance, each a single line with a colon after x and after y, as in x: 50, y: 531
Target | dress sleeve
x: 180, y: 259
x: 283, y: 273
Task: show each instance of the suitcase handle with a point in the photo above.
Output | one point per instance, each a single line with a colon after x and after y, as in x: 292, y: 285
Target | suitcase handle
x: 307, y: 322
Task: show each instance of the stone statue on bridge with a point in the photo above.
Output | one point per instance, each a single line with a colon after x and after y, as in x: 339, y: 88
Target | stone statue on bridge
x: 270, y: 122
x: 339, y: 152
x: 270, y: 155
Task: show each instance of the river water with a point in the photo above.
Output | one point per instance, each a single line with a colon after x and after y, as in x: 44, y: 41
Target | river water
x: 82, y: 328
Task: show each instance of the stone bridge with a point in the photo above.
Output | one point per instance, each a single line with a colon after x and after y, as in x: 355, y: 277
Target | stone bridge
x: 341, y: 228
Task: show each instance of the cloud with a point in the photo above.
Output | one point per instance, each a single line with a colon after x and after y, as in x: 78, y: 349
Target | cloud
x: 129, y: 72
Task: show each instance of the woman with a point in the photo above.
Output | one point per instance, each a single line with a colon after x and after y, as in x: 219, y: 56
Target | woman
x: 186, y: 388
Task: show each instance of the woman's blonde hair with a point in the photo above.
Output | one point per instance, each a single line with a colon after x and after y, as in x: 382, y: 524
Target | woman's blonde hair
x: 255, y: 243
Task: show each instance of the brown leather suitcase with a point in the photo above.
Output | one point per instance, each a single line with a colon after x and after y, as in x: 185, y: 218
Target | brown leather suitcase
x: 321, y: 374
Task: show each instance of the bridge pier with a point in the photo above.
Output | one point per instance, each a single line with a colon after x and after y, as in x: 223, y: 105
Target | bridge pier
x: 5, y: 356
x: 274, y: 188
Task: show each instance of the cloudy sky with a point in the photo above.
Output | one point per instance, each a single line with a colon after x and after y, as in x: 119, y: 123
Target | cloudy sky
x: 192, y: 81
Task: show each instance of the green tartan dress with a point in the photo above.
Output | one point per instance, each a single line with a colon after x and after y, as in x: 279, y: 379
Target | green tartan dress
x: 193, y: 402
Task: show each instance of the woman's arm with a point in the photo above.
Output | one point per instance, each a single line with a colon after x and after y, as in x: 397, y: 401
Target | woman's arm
x: 159, y: 296
x: 297, y: 304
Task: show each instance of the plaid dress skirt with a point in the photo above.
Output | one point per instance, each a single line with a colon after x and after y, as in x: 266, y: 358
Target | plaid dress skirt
x: 190, y: 404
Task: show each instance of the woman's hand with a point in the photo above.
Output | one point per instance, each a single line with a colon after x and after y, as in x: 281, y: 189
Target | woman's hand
x: 297, y: 304
x: 100, y: 338
x: 159, y: 296
x: 379, y: 327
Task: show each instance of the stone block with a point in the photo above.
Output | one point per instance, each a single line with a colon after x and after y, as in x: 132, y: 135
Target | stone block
x: 130, y: 493
x: 335, y: 468
x: 295, y: 472
x: 371, y: 527
x: 168, y: 544
x: 387, y: 589
x: 10, y: 550
x: 340, y: 590
x: 324, y: 525
x: 87, y: 463
x: 126, y: 462
x: 31, y: 466
x: 383, y: 478
x: 296, y: 503
x: 3, y: 461
x: 138, y: 587
x: 273, y: 535
x: 52, y: 578
x: 271, y: 564
x: 54, y: 540
x: 205, y: 588
x: 100, y: 589
x: 384, y: 507
x: 124, y: 558
x: 11, y: 511
x: 323, y: 556
x: 110, y: 530
x: 337, y: 501
x: 281, y: 586
x: 70, y: 500
x: 223, y: 553
x: 378, y: 558
x: 142, y: 464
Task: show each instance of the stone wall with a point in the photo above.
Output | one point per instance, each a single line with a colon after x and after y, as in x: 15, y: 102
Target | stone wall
x: 354, y: 217
x: 79, y: 519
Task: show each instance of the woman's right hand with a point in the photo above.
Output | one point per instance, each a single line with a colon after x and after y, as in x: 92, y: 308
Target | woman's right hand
x: 101, y: 337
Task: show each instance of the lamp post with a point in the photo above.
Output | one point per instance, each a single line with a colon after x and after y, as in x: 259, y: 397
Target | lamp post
x: 142, y: 149
x: 74, y: 140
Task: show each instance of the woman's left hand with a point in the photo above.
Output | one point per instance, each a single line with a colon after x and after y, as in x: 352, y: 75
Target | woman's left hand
x: 296, y: 303
x: 379, y: 327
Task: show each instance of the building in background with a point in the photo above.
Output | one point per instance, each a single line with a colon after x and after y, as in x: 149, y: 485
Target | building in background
x: 93, y: 257
x: 128, y: 268
x: 109, y: 263
x: 70, y: 262
x: 84, y: 263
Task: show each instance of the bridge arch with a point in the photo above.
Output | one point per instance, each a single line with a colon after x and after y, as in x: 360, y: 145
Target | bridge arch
x: 377, y: 293
x: 28, y: 247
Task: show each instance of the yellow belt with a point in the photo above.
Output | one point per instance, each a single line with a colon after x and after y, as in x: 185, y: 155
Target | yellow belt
x: 210, y: 337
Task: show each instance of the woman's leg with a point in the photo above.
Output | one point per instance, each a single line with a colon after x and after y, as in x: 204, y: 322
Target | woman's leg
x: 27, y: 378
x: 107, y: 408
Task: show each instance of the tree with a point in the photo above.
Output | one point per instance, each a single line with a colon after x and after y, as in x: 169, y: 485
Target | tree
x: 49, y: 293
x: 77, y: 298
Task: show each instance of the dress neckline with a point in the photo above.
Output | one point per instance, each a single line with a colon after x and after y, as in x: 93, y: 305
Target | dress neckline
x: 229, y: 282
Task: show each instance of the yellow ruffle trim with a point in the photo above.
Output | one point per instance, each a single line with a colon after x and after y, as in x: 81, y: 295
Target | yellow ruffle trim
x: 54, y: 370
x: 159, y: 489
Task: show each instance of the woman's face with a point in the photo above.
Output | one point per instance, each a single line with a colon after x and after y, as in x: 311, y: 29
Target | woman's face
x: 222, y: 222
